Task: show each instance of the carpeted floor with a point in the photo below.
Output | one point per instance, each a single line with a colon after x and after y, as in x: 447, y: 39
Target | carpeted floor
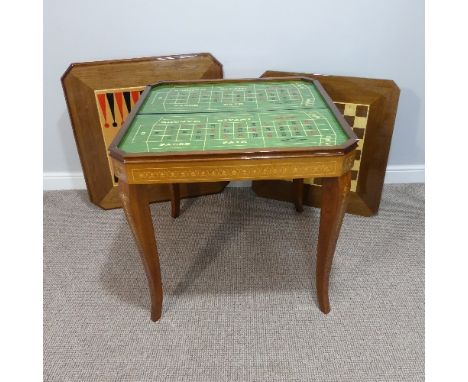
x: 240, y: 305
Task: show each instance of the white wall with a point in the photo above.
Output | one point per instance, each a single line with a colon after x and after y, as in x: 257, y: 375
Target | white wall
x: 367, y: 38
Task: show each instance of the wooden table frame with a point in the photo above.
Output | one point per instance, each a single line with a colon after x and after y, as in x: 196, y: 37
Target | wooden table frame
x: 136, y: 172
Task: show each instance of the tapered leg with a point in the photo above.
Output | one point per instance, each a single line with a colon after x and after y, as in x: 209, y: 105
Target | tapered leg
x: 334, y: 198
x: 298, y: 192
x: 175, y: 199
x: 136, y: 205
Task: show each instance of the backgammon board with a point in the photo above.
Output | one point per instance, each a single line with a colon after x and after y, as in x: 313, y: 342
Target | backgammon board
x: 100, y: 95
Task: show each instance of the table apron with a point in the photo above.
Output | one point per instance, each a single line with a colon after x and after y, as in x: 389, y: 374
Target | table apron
x: 233, y: 169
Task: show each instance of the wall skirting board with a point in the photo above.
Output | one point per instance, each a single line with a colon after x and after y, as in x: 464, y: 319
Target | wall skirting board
x: 75, y: 180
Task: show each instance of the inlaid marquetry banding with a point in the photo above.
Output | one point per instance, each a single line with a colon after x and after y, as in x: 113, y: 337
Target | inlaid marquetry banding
x: 233, y: 172
x: 331, y: 167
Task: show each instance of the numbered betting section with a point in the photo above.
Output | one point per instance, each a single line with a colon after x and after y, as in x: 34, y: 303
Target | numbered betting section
x: 227, y: 116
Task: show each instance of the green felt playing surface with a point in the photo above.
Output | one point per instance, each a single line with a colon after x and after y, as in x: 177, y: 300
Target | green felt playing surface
x: 241, y: 96
x: 296, y: 116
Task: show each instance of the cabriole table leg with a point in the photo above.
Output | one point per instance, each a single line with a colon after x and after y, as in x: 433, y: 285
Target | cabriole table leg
x: 334, y: 198
x: 136, y: 205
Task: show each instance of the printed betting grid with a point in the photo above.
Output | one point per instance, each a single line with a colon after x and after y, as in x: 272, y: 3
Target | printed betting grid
x: 218, y: 98
x: 234, y: 116
x: 218, y: 131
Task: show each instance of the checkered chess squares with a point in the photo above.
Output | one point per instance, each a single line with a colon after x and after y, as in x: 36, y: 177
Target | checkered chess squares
x: 357, y: 116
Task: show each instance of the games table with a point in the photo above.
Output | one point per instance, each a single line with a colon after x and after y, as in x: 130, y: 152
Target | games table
x: 215, y: 130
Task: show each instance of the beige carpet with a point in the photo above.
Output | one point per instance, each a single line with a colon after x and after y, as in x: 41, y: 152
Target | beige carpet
x: 238, y: 273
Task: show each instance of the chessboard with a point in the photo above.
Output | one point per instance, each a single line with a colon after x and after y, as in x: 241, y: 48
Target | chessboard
x: 229, y: 116
x: 357, y: 117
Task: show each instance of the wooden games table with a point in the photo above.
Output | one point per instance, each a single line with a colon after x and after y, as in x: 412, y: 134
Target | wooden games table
x: 222, y: 130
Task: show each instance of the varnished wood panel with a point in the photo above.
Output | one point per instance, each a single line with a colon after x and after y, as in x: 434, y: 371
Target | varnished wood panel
x: 81, y: 80
x: 381, y: 96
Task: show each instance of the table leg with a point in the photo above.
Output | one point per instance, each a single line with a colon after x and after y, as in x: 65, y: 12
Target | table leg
x: 298, y: 194
x: 136, y: 205
x: 175, y: 199
x: 334, y: 198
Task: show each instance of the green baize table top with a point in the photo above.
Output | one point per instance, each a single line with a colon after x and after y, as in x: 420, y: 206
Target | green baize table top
x: 229, y: 116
